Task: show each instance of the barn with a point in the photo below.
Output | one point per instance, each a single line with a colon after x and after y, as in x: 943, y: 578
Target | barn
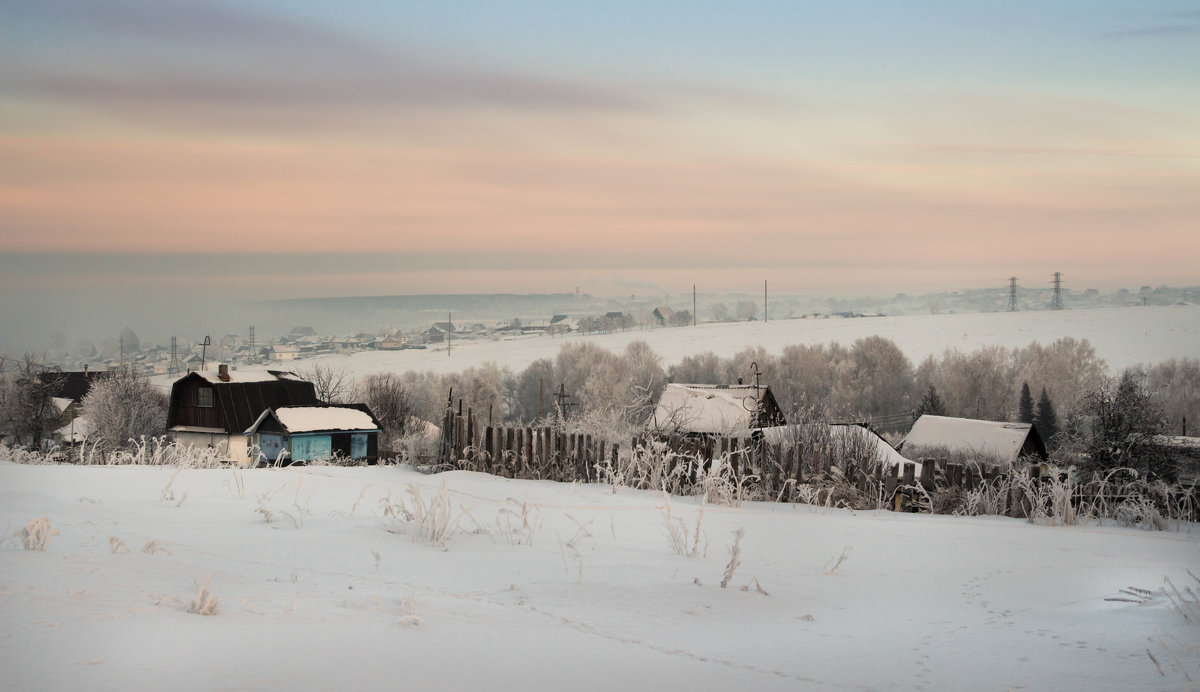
x: 288, y: 434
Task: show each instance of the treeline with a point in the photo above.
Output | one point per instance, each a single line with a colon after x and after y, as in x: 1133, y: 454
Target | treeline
x: 870, y: 380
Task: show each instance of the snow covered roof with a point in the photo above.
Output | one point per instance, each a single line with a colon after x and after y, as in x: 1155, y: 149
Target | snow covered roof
x: 843, y: 434
x: 61, y: 403
x: 708, y: 408
x: 304, y: 419
x: 998, y: 440
x: 249, y: 376
x: 74, y: 432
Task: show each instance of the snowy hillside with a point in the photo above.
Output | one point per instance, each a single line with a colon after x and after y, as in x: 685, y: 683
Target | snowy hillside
x: 547, y: 586
x: 1121, y: 336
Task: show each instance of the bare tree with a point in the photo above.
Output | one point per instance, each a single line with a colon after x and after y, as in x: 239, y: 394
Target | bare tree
x: 333, y: 385
x: 389, y: 398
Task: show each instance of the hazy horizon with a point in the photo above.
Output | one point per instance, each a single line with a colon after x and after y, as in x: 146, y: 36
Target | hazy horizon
x: 160, y: 155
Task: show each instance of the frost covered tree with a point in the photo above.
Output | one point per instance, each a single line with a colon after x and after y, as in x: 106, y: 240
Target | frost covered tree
x: 1025, y: 405
x: 27, y: 411
x: 1121, y: 422
x: 747, y: 309
x: 122, y: 408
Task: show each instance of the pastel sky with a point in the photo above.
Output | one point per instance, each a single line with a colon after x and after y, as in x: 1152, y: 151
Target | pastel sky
x: 398, y: 147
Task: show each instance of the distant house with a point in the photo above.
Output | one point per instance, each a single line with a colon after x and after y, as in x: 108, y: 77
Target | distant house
x: 310, y: 433
x: 214, y: 409
x: 301, y: 332
x: 391, y: 343
x: 663, y: 316
x: 987, y: 440
x: 707, y: 409
x: 437, y: 333
x: 283, y: 353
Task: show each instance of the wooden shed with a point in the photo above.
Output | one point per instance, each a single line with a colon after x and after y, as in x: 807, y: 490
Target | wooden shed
x: 292, y: 434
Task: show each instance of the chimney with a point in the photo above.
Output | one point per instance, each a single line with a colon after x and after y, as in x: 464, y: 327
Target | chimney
x: 85, y: 374
x: 223, y: 372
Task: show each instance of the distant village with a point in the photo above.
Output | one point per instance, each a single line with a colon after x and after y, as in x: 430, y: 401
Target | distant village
x: 598, y: 316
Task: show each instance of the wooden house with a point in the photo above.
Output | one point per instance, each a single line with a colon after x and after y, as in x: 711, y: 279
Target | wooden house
x: 706, y: 409
x: 292, y: 434
x: 210, y: 409
x: 663, y: 316
x: 983, y: 439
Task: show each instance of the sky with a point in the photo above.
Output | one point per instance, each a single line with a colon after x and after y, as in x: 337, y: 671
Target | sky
x: 267, y: 149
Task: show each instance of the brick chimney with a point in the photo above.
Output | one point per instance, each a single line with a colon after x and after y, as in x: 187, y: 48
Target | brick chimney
x: 223, y: 372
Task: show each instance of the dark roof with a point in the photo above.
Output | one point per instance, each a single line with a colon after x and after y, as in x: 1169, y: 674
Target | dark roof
x: 241, y: 403
x: 71, y: 385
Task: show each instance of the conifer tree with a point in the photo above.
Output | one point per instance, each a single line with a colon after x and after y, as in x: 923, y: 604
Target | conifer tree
x: 1045, y: 418
x: 930, y: 404
x: 1025, y: 407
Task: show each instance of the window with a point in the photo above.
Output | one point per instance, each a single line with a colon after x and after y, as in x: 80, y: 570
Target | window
x: 205, y: 397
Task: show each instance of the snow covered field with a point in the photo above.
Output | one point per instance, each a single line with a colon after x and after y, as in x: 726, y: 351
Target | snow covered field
x: 1121, y: 336
x: 334, y: 594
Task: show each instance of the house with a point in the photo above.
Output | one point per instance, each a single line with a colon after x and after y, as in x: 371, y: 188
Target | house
x: 716, y: 409
x: 301, y: 332
x: 210, y: 409
x: 283, y: 353
x: 663, y: 316
x: 988, y: 440
x: 287, y: 434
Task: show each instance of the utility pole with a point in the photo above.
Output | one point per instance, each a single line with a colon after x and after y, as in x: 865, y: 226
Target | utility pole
x: 448, y: 332
x: 1056, y: 303
x: 693, y: 305
x: 1012, y: 294
x: 541, y: 394
x: 764, y: 300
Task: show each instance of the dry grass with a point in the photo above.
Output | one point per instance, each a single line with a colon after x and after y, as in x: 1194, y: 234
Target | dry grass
x: 682, y: 541
x: 735, y: 555
x: 205, y: 602
x: 36, y: 534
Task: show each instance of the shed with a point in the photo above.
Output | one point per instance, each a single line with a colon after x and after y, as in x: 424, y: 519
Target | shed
x: 998, y: 441
x: 716, y: 409
x: 663, y: 316
x: 311, y: 433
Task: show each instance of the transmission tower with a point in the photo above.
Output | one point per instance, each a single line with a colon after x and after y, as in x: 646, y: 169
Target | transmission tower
x: 1056, y: 303
x: 174, y: 367
x: 253, y: 351
x: 1012, y: 294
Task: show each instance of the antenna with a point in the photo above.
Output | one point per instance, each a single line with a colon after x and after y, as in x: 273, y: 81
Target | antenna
x: 1056, y: 303
x: 1012, y: 294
